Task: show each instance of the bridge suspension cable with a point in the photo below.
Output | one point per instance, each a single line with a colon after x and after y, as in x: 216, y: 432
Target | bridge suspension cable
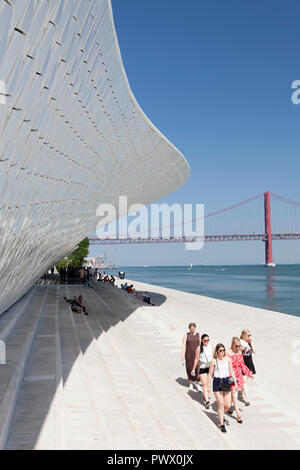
x: 262, y: 231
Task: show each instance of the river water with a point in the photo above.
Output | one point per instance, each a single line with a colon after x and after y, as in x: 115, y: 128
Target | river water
x: 269, y: 288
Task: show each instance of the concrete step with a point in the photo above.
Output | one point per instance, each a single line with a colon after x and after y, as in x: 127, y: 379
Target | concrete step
x: 177, y: 419
x: 159, y: 348
x: 148, y: 430
x: 19, y: 333
x: 54, y: 410
x: 10, y: 318
x: 113, y: 379
x: 34, y: 422
x: 83, y: 427
x: 127, y: 419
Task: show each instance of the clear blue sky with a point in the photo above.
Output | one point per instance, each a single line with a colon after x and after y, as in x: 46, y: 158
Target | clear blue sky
x: 215, y: 77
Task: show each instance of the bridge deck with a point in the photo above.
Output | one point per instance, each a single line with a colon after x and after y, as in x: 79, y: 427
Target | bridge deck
x: 235, y: 237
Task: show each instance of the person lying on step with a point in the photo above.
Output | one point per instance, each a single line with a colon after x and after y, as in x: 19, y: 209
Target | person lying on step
x: 76, y: 305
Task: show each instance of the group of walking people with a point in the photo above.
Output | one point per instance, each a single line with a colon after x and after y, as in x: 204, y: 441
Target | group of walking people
x: 228, y: 370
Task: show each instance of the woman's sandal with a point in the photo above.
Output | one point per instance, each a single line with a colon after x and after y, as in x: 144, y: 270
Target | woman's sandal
x: 230, y: 411
x: 239, y: 420
x: 222, y: 428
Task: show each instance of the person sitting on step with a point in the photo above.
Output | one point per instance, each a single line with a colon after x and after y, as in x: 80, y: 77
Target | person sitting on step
x: 76, y: 305
x: 147, y: 298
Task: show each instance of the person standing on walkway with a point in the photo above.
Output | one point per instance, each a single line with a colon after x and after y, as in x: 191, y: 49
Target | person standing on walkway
x: 81, y: 274
x: 221, y: 369
x: 87, y: 280
x: 204, y: 354
x: 239, y: 368
x: 190, y: 343
x: 247, y: 349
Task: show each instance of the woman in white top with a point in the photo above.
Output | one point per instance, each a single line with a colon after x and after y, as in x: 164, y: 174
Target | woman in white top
x: 204, y: 356
x: 221, y: 369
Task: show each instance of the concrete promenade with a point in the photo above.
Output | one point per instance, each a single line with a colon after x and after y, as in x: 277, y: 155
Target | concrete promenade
x: 114, y: 379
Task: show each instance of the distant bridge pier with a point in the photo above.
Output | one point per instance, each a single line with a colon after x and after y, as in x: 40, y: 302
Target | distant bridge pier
x: 268, y: 232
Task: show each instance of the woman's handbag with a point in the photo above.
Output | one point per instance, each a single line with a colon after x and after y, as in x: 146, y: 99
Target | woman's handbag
x: 207, y: 363
x: 225, y: 386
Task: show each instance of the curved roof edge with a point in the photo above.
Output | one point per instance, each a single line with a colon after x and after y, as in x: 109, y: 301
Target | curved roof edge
x: 135, y: 102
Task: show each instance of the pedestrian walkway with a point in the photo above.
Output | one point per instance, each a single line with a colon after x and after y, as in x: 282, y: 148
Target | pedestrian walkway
x: 113, y: 380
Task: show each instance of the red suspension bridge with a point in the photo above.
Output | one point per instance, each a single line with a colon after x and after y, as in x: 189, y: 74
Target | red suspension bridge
x: 265, y: 234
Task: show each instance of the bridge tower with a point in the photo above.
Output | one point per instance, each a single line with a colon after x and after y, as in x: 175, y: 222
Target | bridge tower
x: 268, y: 232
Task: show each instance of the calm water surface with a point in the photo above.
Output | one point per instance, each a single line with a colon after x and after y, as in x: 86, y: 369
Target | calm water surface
x: 274, y: 288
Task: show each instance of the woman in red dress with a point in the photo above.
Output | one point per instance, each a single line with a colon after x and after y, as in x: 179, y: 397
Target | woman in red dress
x: 239, y: 368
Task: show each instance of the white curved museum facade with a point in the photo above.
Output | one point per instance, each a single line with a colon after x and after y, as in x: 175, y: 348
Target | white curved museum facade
x: 72, y: 135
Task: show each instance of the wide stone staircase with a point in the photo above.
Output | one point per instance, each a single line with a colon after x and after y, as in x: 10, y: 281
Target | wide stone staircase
x: 111, y: 380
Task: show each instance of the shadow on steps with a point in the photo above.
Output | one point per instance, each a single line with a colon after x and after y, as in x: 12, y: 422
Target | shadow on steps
x: 61, y: 337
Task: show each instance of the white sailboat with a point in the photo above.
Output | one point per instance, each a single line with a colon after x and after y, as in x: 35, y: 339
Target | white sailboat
x: 190, y: 267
